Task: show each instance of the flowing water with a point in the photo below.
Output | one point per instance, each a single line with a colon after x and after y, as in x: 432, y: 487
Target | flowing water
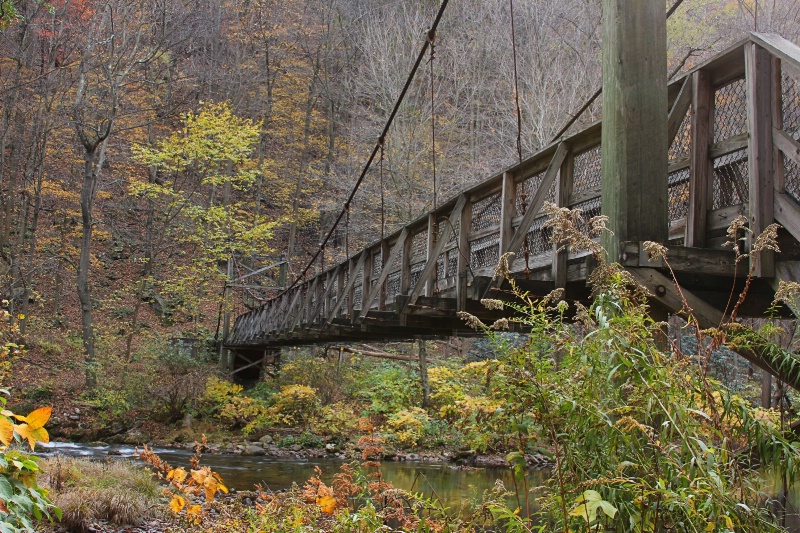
x: 453, y: 487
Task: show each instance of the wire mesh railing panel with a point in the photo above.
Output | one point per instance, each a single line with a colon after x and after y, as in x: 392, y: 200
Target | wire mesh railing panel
x: 589, y: 209
x: 730, y: 110
x: 392, y: 285
x: 419, y: 244
x: 440, y: 267
x: 587, y: 170
x: 486, y: 213
x: 790, y: 100
x: 730, y: 182
x: 484, y: 252
x: 527, y: 189
x: 452, y: 263
x: 678, y: 191
x: 416, y: 271
x: 538, y: 238
x: 377, y: 265
x: 791, y: 173
x: 681, y: 145
x: 358, y: 296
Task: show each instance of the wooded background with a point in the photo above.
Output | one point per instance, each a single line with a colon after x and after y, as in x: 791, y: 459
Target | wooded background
x: 145, y: 141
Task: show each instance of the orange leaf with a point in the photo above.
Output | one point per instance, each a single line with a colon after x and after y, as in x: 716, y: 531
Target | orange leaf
x: 39, y: 417
x: 3, y: 508
x: 327, y: 504
x: 6, y: 431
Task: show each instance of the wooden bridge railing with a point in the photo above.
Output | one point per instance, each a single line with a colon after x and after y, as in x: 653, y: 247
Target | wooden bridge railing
x: 734, y: 122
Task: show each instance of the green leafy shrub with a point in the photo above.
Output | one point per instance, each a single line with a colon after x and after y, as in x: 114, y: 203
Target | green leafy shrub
x: 408, y: 425
x: 388, y: 388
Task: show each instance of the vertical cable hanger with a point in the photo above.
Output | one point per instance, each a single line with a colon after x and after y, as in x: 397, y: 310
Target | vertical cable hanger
x: 431, y: 35
x: 525, y: 245
x: 381, y: 142
x: 347, y: 231
x: 516, y: 81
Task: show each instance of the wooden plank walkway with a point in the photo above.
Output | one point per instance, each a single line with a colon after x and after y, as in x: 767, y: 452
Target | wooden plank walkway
x: 734, y: 125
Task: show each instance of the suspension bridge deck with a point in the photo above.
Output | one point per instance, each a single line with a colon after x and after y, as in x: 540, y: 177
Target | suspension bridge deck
x: 734, y: 128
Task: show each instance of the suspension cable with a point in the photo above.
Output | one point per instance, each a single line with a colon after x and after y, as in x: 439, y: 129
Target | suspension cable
x: 376, y: 149
x: 432, y: 41
x: 383, y: 193
x: 516, y: 81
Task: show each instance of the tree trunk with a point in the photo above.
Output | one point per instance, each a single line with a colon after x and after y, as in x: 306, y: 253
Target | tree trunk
x: 423, y: 373
x: 91, y: 165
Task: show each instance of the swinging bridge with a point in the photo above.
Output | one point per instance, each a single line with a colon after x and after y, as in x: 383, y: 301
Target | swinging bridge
x: 727, y: 145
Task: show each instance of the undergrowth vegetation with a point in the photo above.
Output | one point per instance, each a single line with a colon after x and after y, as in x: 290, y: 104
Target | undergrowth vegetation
x: 641, y: 436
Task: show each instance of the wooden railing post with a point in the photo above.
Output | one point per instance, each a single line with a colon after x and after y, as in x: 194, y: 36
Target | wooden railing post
x: 700, y: 171
x: 760, y: 105
x: 405, y: 266
x: 508, y: 207
x: 366, y: 277
x: 384, y: 259
x: 563, y: 192
x: 433, y: 230
x: 463, y: 256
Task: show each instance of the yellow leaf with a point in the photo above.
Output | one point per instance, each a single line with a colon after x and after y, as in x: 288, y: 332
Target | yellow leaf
x: 194, y: 510
x: 25, y: 431
x: 6, y: 431
x: 728, y: 522
x: 327, y: 504
x: 177, y: 475
x: 39, y: 417
x: 177, y: 504
x: 711, y: 526
x: 40, y: 435
x: 199, y: 476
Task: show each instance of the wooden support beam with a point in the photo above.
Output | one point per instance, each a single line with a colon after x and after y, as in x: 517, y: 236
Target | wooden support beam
x: 433, y: 255
x: 634, y: 129
x: 348, y: 289
x: 563, y: 194
x: 689, y: 260
x: 430, y: 246
x: 787, y: 214
x: 379, y: 355
x: 533, y: 209
x: 293, y: 308
x: 760, y: 104
x: 508, y: 207
x: 254, y: 363
x: 708, y: 316
x: 384, y: 258
x: 679, y: 109
x: 700, y: 172
x: 323, y: 299
x: 463, y: 257
x: 394, y: 255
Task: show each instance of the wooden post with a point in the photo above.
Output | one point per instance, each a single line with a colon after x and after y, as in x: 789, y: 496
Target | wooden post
x: 563, y: 192
x: 463, y: 256
x: 700, y: 165
x: 384, y: 259
x: 634, y: 129
x: 433, y: 231
x: 405, y: 265
x: 225, y: 359
x: 760, y: 104
x: 508, y: 207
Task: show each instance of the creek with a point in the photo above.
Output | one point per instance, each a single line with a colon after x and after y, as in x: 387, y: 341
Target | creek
x: 452, y: 486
